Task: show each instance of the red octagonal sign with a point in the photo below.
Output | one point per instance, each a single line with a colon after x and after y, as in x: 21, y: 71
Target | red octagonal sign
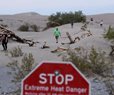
x: 55, y: 78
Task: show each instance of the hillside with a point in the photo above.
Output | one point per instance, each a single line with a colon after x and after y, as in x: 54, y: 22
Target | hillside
x: 96, y: 40
x: 13, y: 22
x: 106, y: 17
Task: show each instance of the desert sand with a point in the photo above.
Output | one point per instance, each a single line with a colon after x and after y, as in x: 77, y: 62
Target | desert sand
x: 96, y: 40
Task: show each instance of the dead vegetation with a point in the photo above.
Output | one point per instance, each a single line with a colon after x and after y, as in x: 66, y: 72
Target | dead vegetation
x: 15, y: 37
x: 85, y: 33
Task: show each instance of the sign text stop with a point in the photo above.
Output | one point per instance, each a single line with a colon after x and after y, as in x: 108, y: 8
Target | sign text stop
x: 55, y: 78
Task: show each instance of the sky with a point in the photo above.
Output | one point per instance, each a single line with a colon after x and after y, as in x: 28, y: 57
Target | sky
x: 48, y: 7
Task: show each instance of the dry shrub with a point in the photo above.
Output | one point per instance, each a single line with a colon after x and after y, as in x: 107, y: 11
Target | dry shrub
x: 23, y: 27
x: 20, y: 70
x: 16, y: 52
x: 93, y: 61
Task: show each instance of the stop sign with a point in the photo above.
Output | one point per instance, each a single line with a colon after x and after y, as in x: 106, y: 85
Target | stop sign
x: 55, y: 78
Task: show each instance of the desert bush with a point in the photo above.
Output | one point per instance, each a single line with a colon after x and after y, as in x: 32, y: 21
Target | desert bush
x: 23, y: 27
x: 27, y: 61
x: 16, y: 52
x: 35, y: 28
x: 110, y: 33
x: 78, y: 58
x: 94, y: 61
x: 98, y: 62
x: 20, y: 70
x: 65, y: 18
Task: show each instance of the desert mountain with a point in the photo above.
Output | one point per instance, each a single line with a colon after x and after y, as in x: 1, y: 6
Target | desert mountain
x: 93, y: 36
x: 15, y: 21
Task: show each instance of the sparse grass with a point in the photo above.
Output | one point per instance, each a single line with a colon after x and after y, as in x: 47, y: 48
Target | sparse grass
x: 96, y: 62
x: 20, y: 70
x: 110, y: 33
x: 16, y: 52
x: 78, y: 60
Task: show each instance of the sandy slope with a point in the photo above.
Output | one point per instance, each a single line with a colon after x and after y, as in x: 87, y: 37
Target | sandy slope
x: 45, y: 54
x: 15, y: 21
x: 106, y: 17
x: 96, y: 40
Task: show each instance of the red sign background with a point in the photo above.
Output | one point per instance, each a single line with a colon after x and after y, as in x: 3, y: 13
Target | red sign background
x: 55, y: 78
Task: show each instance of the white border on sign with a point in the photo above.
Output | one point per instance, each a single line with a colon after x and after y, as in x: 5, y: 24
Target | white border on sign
x: 59, y: 62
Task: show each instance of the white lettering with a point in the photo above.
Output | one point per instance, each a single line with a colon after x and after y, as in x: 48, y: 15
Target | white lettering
x: 36, y: 88
x: 59, y: 79
x: 51, y: 78
x: 76, y: 90
x: 43, y: 78
x: 68, y: 78
x: 57, y: 89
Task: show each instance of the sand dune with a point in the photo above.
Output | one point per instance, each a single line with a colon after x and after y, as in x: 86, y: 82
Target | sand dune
x: 15, y: 21
x: 96, y: 40
x: 107, y: 18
